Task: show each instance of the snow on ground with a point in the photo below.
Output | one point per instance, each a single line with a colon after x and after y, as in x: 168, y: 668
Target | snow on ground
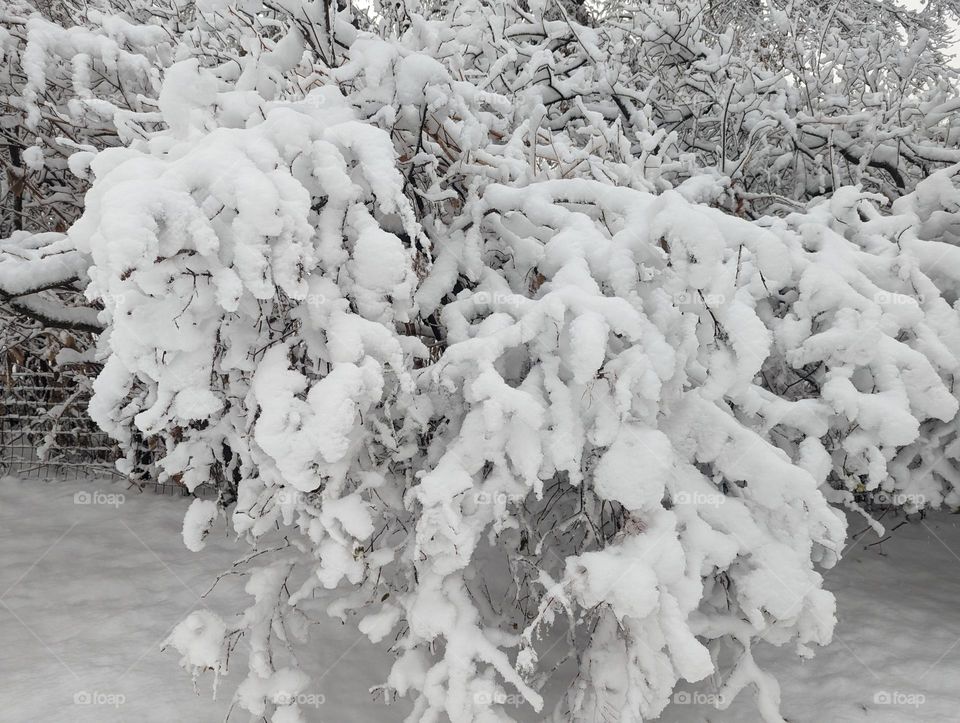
x: 91, y: 582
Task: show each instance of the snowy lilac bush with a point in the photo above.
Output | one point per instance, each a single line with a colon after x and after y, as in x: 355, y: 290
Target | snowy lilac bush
x: 487, y: 355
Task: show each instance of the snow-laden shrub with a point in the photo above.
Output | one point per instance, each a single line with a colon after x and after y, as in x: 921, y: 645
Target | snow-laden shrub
x: 578, y: 428
x: 488, y: 357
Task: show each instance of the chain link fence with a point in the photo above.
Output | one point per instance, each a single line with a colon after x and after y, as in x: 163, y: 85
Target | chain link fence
x: 44, y: 430
x: 46, y: 433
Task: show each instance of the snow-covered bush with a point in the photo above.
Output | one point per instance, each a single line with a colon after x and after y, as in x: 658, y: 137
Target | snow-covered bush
x: 489, y: 352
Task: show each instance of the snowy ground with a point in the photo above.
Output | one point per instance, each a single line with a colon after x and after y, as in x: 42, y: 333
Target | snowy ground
x: 88, y: 591
x: 89, y: 586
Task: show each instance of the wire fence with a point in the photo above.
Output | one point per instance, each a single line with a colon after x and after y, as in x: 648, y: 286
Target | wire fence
x: 46, y: 433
